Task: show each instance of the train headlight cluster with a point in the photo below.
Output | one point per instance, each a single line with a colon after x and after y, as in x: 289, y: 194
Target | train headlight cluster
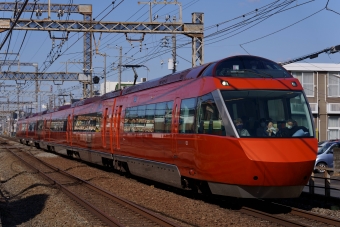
x: 294, y: 84
x: 225, y: 83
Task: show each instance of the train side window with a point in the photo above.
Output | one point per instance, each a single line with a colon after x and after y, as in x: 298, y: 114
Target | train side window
x: 159, y: 117
x: 127, y: 120
x: 58, y: 125
x: 209, y: 120
x: 31, y: 127
x: 40, y: 125
x: 150, y: 118
x: 168, y: 117
x: 133, y: 118
x: 140, y: 120
x: 187, y: 116
x: 209, y: 70
x: 88, y: 122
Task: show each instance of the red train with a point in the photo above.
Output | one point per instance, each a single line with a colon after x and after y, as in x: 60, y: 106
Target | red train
x: 196, y: 129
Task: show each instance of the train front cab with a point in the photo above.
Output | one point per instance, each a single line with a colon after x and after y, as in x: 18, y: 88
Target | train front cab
x: 254, y: 165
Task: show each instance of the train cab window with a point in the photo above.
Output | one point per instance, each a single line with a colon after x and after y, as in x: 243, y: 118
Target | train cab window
x: 209, y: 70
x: 187, y: 116
x: 209, y: 120
x: 287, y: 111
x: 250, y: 67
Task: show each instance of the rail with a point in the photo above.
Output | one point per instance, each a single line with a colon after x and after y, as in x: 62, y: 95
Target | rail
x: 106, y: 218
x: 288, y: 216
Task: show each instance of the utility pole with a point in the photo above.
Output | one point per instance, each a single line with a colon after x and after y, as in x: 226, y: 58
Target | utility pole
x: 165, y: 43
x: 84, y: 84
x: 36, y: 86
x: 174, y: 53
x: 104, y: 55
x: 120, y: 67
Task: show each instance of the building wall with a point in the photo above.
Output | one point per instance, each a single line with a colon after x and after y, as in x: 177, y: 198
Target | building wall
x: 321, y: 97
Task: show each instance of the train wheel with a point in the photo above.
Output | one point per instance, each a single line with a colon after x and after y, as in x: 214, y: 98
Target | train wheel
x: 322, y: 165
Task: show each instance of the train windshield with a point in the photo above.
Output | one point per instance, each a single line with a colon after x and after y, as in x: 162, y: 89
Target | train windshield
x: 250, y: 67
x: 269, y: 113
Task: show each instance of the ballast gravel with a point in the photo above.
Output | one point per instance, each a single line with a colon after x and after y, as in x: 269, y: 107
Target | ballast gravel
x: 26, y: 199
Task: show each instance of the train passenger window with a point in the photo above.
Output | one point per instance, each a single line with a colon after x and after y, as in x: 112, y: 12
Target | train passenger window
x: 168, y: 117
x: 159, y: 117
x: 140, y: 120
x: 31, y: 126
x: 40, y: 125
x: 163, y: 117
x: 88, y: 122
x: 209, y: 120
x: 130, y: 119
x: 58, y: 125
x: 23, y: 127
x: 150, y: 118
x: 187, y: 116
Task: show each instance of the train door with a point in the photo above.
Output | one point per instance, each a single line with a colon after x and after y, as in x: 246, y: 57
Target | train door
x: 110, y: 136
x: 69, y: 130
x: 27, y: 126
x: 44, y: 130
x: 116, y: 127
x: 48, y: 129
x: 185, y: 138
x: 104, y: 127
x: 175, y: 125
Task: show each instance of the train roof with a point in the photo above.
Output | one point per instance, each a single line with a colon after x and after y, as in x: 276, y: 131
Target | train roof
x: 168, y: 79
x: 186, y: 74
x: 86, y: 101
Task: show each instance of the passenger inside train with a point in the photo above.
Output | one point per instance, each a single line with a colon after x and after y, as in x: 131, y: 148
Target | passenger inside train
x: 279, y: 107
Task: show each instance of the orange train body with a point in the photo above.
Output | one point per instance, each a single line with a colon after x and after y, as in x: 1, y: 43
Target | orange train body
x: 180, y: 130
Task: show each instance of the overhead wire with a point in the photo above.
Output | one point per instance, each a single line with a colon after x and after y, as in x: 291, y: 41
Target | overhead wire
x: 152, y: 53
x: 83, y: 34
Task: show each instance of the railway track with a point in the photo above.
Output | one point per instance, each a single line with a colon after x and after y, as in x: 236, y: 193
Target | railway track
x: 109, y: 208
x: 286, y: 215
x: 264, y: 210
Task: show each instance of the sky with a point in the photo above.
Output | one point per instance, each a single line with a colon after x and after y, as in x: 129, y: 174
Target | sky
x: 290, y: 29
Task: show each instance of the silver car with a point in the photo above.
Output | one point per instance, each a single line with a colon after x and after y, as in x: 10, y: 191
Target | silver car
x: 324, y: 158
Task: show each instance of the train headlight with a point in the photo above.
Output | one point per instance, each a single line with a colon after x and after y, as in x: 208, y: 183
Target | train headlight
x: 224, y: 83
x: 294, y: 84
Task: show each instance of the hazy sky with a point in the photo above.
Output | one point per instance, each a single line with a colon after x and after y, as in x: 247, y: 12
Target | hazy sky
x: 289, y: 29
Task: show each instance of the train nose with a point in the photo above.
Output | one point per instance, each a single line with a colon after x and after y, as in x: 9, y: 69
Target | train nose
x: 281, y: 161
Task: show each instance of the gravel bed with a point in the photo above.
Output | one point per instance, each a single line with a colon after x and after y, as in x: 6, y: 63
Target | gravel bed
x: 19, y: 188
x: 26, y: 199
